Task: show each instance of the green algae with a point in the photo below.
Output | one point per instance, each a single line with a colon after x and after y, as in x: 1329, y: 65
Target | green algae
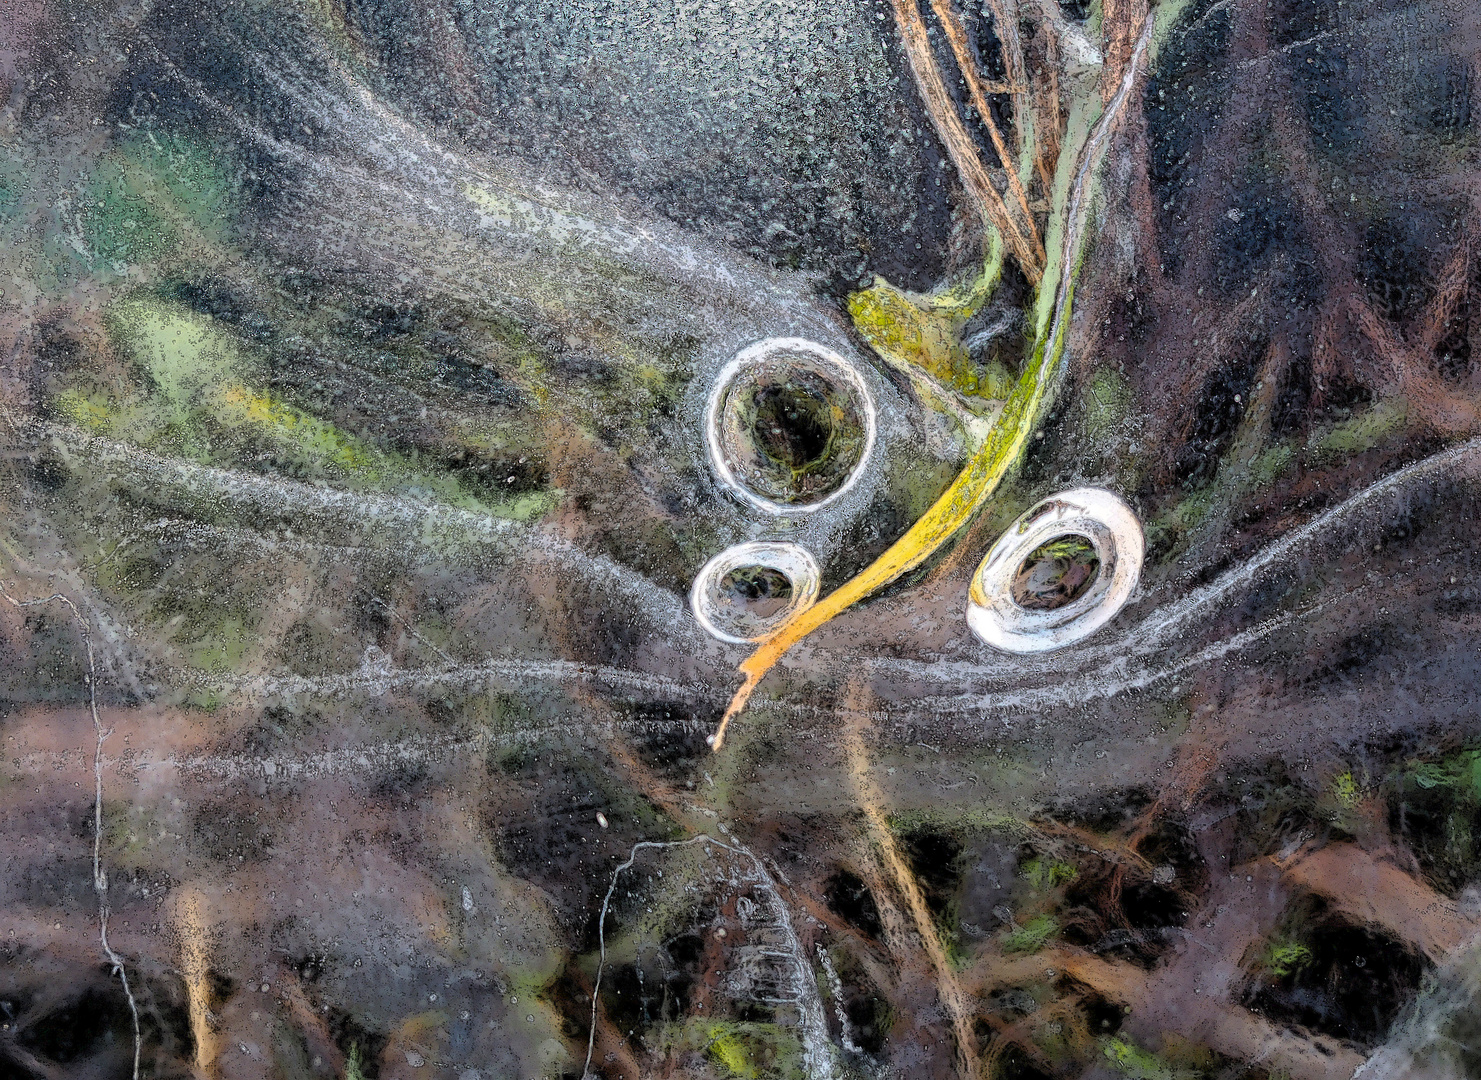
x: 1131, y: 1060
x: 222, y: 644
x: 1270, y: 465
x: 1365, y: 431
x: 305, y: 440
x: 198, y: 404
x: 1042, y: 873
x: 1180, y: 1059
x: 153, y: 193
x: 746, y: 1049
x: 120, y: 224
x: 1032, y: 936
x: 920, y: 335
x: 1284, y: 956
x: 1346, y: 790
x: 93, y: 412
x: 353, y: 1070
x: 1106, y: 402
x: 1244, y: 469
x: 182, y: 358
x: 1167, y: 531
x: 1460, y: 773
x: 1436, y: 804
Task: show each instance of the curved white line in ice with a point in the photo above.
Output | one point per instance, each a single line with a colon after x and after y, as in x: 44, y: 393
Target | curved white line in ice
x: 1109, y: 667
x: 357, y: 510
x: 817, y: 1056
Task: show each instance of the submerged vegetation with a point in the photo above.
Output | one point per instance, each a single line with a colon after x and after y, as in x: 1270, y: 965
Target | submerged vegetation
x: 354, y: 363
x: 921, y: 337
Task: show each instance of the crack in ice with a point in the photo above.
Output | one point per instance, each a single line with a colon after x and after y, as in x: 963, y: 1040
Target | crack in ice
x: 100, y: 876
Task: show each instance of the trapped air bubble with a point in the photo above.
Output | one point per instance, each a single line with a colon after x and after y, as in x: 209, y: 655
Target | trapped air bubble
x: 789, y: 425
x: 1060, y: 573
x: 747, y: 592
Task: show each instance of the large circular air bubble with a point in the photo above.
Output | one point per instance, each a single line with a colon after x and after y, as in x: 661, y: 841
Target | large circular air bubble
x: 789, y: 425
x: 747, y: 592
x: 1060, y: 573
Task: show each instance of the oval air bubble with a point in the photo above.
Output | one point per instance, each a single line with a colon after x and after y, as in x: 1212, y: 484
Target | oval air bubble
x: 789, y: 425
x: 1060, y: 573
x: 747, y: 592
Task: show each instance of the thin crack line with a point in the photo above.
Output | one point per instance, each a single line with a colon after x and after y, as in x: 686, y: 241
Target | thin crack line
x: 596, y: 988
x: 100, y: 877
x: 815, y: 1054
x: 412, y: 630
x: 835, y: 987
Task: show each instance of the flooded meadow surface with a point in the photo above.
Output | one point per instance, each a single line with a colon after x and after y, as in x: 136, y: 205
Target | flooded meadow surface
x: 765, y: 540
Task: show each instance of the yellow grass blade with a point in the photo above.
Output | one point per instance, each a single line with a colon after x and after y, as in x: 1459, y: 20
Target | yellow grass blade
x: 956, y: 506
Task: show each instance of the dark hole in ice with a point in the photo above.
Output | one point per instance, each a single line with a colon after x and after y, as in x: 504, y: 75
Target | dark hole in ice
x: 792, y: 430
x: 1056, y: 574
x: 760, y: 590
x: 793, y: 425
x: 1102, y: 1016
x: 847, y: 894
x: 1350, y: 981
x: 80, y: 1028
x: 869, y: 1019
x: 936, y: 859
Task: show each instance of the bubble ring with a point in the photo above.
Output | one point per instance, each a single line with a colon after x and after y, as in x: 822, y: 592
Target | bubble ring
x: 768, y: 360
x: 1099, y: 516
x: 734, y: 624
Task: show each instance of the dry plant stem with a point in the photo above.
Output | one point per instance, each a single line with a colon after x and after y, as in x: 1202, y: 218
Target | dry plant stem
x: 310, y: 1022
x: 1048, y: 124
x: 992, y: 86
x: 1394, y: 364
x: 100, y: 879
x: 1005, y: 26
x: 1045, y: 160
x: 953, y: 133
x: 1413, y: 374
x: 1119, y: 22
x: 1453, y: 285
x: 1018, y: 1034
x: 868, y: 799
x: 956, y: 35
x: 195, y: 966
